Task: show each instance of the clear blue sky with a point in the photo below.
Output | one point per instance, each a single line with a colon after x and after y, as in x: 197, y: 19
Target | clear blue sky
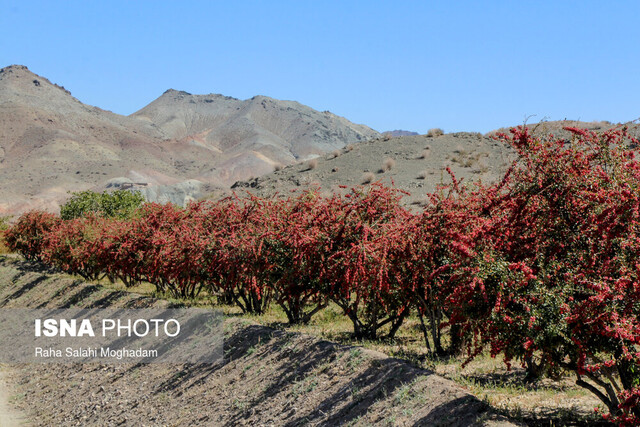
x: 463, y: 65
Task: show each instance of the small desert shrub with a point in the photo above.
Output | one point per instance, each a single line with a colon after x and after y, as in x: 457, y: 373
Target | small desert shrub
x: 423, y: 175
x: 336, y: 153
x: 481, y: 167
x: 278, y: 167
x: 425, y: 154
x: 460, y: 150
x: 368, y: 177
x: 388, y: 164
x: 386, y: 136
x: 467, y: 163
x: 435, y: 132
x: 349, y: 147
x: 312, y: 164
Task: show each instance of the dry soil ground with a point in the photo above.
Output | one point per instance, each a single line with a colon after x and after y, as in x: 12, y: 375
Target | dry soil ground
x: 10, y: 416
x: 268, y: 376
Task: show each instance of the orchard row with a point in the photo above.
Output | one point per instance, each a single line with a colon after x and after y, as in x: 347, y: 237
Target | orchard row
x: 542, y: 267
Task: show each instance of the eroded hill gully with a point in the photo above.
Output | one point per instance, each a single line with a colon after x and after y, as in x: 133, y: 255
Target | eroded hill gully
x: 268, y: 377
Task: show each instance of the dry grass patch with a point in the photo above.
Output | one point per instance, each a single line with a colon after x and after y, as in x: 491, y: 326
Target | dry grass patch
x: 432, y: 133
x: 425, y: 154
x: 546, y: 402
x: 312, y: 164
x: 468, y: 163
x: 460, y: 150
x: 368, y: 177
x: 388, y: 164
x: 481, y: 167
x: 468, y: 159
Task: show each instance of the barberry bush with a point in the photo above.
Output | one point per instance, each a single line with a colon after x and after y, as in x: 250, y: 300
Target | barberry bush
x: 557, y: 280
x: 27, y: 234
x: 542, y: 267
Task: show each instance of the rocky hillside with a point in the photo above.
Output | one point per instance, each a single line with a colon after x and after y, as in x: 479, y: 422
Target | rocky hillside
x: 184, y: 146
x: 51, y: 143
x: 250, y: 137
x: 416, y: 164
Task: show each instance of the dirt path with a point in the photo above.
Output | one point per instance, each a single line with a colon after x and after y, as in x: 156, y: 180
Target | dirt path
x: 9, y: 416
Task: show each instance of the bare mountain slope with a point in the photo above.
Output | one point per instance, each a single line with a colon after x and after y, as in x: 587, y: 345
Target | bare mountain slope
x: 250, y: 137
x: 51, y: 143
x: 414, y: 163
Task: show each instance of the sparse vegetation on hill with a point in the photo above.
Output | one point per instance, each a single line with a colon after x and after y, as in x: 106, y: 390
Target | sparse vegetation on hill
x: 51, y: 143
x: 407, y: 152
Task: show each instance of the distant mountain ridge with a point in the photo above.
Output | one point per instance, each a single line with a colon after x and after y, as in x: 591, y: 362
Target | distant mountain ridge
x: 183, y: 146
x: 51, y: 143
x: 250, y: 136
x: 399, y: 132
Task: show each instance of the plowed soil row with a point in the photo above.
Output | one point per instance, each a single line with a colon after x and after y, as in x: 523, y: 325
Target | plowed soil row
x: 268, y: 377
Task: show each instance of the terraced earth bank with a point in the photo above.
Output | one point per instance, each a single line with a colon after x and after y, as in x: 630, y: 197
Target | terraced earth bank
x: 268, y: 377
